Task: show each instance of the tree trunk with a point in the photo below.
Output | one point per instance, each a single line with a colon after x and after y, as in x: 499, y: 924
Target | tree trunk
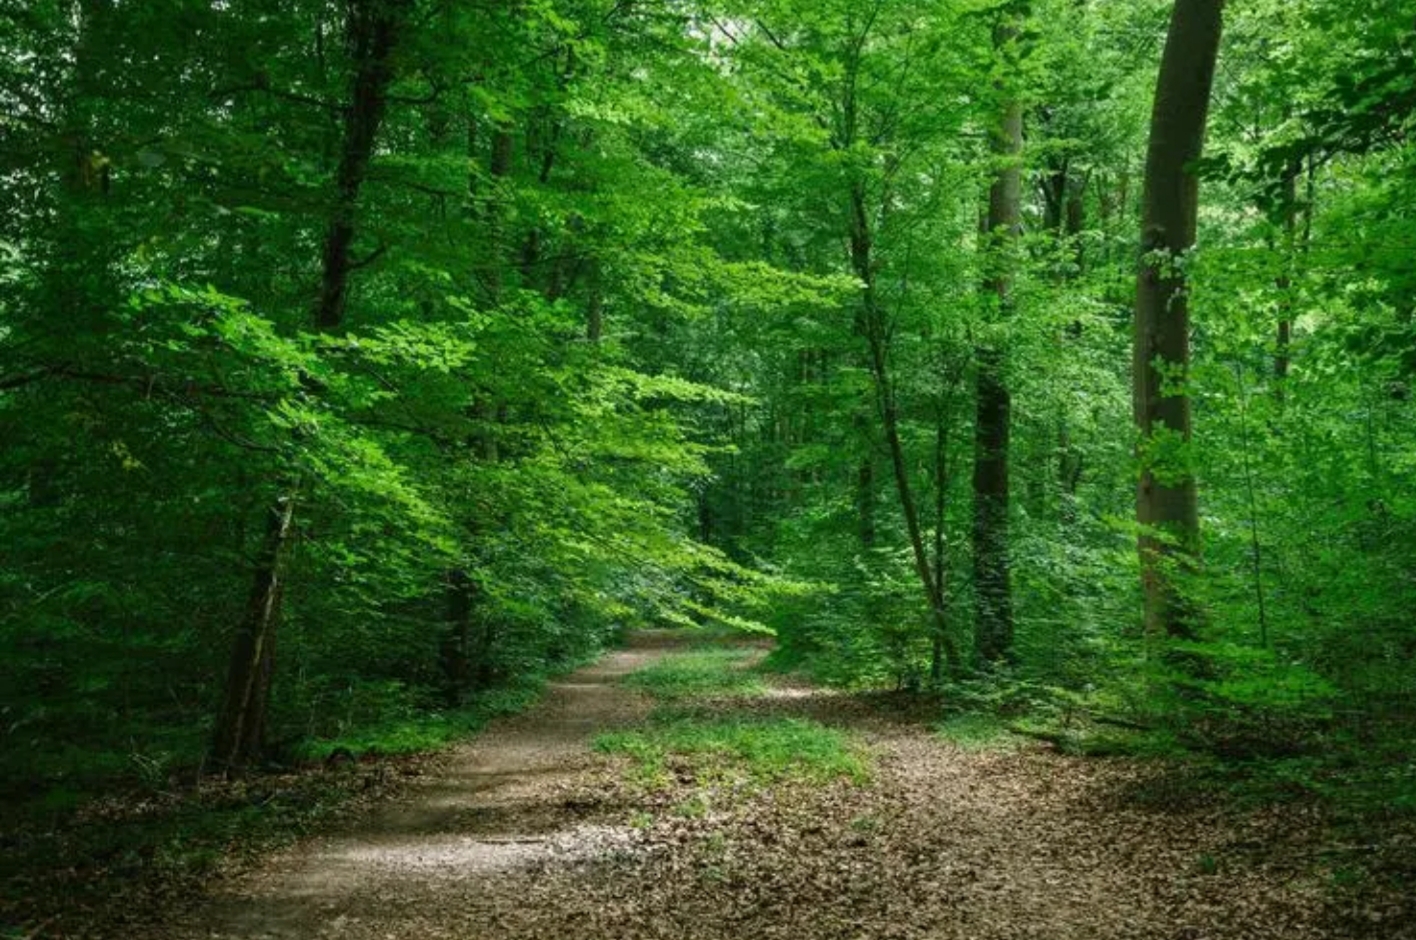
x: 373, y: 29
x: 240, y: 726
x: 870, y: 323
x: 374, y: 26
x: 1289, y: 210
x: 1166, y: 501
x: 993, y: 623
x: 595, y: 303
x: 942, y: 424
x: 455, y: 650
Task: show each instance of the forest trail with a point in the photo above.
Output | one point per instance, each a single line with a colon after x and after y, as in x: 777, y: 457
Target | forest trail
x: 527, y: 832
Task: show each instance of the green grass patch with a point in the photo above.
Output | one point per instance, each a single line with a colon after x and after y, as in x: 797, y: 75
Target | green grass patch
x: 700, y: 673
x: 409, y: 730
x: 975, y: 732
x: 758, y: 751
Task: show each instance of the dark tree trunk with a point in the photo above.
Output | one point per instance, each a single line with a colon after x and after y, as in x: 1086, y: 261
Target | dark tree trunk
x: 374, y: 26
x: 1166, y: 498
x: 240, y: 726
x: 595, y: 303
x: 455, y: 650
x: 373, y: 30
x: 993, y: 623
x: 1289, y: 210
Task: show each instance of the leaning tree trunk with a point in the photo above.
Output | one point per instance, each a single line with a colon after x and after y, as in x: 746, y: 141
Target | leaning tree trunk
x: 1166, y: 501
x: 240, y: 727
x: 373, y: 26
x: 993, y: 622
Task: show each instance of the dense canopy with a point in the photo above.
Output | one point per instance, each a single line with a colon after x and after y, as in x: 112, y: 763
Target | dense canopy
x: 361, y: 360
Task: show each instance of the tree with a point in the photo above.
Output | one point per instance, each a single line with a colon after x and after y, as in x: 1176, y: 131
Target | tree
x: 1166, y: 496
x: 993, y: 628
x: 373, y: 27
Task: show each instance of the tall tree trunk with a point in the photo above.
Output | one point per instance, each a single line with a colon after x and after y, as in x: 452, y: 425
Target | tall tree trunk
x: 373, y: 30
x: 458, y: 646
x: 993, y: 623
x: 1166, y: 501
x: 1289, y: 210
x: 594, y: 302
x: 943, y: 419
x: 374, y: 26
x: 1064, y: 194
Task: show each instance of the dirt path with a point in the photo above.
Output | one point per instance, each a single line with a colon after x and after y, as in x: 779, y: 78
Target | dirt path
x: 529, y: 834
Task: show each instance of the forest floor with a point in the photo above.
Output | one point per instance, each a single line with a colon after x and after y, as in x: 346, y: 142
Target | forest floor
x: 531, y: 831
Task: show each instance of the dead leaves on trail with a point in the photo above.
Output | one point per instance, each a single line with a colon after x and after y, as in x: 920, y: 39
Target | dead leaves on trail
x: 527, y: 833
x: 944, y: 844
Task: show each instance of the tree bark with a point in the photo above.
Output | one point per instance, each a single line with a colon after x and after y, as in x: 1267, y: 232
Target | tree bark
x: 1289, y: 210
x: 374, y: 26
x: 1166, y: 496
x: 240, y: 726
x: 993, y: 621
x: 373, y: 29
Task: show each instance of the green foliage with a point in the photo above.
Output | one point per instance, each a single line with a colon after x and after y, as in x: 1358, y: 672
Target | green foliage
x: 638, y: 303
x: 387, y: 720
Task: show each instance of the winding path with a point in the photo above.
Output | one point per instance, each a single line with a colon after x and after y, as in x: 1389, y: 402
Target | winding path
x: 528, y: 833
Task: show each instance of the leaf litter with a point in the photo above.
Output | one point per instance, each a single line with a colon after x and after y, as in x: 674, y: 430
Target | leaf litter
x: 526, y: 832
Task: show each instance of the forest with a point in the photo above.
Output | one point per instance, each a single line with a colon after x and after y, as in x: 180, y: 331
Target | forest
x: 1042, y: 368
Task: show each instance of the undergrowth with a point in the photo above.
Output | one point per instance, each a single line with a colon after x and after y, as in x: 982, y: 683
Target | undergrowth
x: 103, y: 847
x: 707, y: 749
x: 978, y: 732
x: 698, y: 673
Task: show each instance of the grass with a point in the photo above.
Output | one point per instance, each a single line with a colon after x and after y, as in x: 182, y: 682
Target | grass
x: 975, y: 732
x: 409, y: 731
x: 748, y: 750
x: 700, y: 673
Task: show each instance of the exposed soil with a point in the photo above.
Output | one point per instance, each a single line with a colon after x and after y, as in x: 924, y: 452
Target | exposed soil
x: 528, y: 833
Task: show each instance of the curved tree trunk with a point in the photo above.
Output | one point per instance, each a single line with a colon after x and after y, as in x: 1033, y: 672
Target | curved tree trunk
x: 1166, y: 501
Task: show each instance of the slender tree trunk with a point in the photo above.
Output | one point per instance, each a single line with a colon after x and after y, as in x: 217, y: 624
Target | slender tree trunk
x: 1166, y: 500
x: 240, y: 726
x: 1065, y: 193
x: 870, y: 323
x: 1289, y: 209
x: 942, y: 424
x: 993, y: 624
x: 455, y: 650
x: 595, y: 303
x: 374, y: 26
x: 373, y: 29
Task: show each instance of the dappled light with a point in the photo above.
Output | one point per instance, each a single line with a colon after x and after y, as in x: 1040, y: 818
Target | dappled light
x: 696, y: 469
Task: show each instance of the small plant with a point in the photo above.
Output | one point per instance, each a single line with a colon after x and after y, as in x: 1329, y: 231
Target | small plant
x: 698, y: 674
x: 974, y: 732
x: 737, y: 750
x: 865, y: 823
x: 695, y: 807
